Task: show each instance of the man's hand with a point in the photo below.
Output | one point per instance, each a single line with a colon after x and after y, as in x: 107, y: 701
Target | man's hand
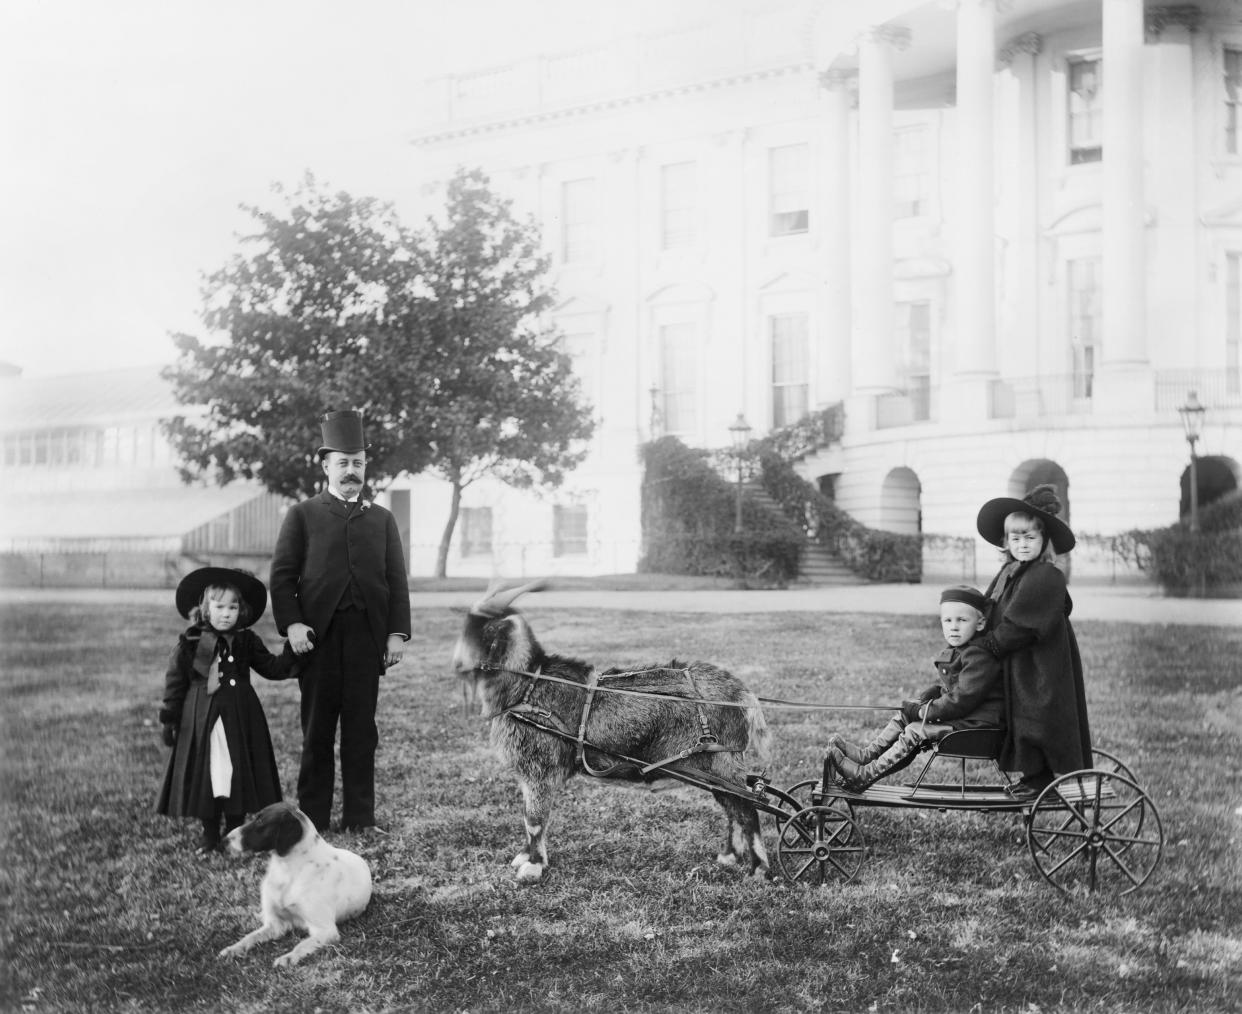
x: 300, y: 638
x: 394, y: 650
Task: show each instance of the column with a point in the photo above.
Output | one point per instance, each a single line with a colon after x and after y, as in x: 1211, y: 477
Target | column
x: 833, y: 363
x: 873, y: 351
x: 975, y: 234
x: 1124, y: 362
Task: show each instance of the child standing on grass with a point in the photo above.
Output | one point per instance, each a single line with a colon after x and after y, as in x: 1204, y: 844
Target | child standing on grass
x: 1047, y: 733
x: 966, y: 696
x: 222, y: 765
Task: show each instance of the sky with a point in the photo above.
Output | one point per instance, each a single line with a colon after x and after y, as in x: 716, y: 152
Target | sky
x: 132, y: 130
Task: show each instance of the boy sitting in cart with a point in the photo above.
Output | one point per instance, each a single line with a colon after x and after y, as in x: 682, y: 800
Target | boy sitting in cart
x: 968, y: 695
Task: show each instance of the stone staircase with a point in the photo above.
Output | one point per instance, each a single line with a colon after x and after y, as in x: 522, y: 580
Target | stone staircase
x: 817, y: 565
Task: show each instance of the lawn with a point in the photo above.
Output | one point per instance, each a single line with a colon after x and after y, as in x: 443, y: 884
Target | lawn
x: 105, y: 908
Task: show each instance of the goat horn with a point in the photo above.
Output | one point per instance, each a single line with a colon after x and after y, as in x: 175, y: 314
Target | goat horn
x: 497, y: 599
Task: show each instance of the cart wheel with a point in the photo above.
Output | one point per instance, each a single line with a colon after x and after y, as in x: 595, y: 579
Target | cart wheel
x: 818, y: 845
x: 1102, y: 760
x: 801, y: 794
x: 1094, y: 830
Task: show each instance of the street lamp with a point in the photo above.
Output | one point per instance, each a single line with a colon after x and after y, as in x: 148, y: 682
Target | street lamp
x: 1192, y: 422
x: 740, y: 432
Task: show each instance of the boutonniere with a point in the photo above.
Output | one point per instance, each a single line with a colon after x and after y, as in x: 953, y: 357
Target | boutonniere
x: 364, y: 505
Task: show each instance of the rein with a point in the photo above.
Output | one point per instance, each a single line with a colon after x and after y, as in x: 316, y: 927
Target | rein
x: 592, y: 687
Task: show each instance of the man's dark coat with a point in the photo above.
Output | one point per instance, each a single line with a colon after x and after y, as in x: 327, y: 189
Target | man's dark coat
x: 325, y: 544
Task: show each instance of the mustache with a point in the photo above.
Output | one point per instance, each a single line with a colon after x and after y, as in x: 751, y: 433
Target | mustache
x: 350, y: 477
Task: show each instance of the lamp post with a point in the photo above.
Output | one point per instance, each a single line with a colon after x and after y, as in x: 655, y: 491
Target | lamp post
x: 740, y: 432
x: 1192, y: 422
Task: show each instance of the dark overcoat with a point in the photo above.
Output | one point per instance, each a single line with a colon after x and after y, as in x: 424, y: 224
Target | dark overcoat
x: 1045, y: 697
x: 186, y: 789
x: 323, y: 545
x: 969, y: 694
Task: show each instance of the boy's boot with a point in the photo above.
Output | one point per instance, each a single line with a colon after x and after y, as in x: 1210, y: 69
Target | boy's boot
x: 866, y: 753
x: 857, y: 777
x: 209, y: 839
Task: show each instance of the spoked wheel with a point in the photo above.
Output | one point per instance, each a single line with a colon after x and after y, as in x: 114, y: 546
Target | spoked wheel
x: 1095, y: 830
x: 1102, y: 760
x: 802, y: 793
x: 820, y: 845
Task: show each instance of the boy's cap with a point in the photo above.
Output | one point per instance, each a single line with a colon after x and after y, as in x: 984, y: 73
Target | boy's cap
x: 190, y: 590
x: 965, y: 593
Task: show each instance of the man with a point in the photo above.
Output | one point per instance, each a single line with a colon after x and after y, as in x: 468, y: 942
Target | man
x: 338, y: 585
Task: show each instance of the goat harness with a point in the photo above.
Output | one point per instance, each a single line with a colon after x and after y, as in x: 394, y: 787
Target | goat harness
x: 526, y: 711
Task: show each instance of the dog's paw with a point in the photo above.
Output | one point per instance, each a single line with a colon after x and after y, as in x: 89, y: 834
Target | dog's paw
x: 285, y: 960
x: 232, y: 951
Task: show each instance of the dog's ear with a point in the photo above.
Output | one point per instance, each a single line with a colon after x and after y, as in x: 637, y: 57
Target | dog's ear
x: 288, y: 832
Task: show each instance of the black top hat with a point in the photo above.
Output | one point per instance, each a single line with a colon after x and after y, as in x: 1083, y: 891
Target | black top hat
x: 190, y: 590
x: 342, y: 431
x: 1041, y: 502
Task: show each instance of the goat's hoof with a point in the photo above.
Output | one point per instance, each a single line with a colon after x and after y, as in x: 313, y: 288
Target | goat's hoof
x: 760, y: 873
x: 726, y: 859
x: 530, y: 873
x: 520, y: 860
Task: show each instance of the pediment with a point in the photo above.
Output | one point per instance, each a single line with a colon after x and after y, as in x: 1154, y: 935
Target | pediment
x: 682, y: 292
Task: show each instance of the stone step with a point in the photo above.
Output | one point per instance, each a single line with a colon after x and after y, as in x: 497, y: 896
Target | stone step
x: 817, y: 565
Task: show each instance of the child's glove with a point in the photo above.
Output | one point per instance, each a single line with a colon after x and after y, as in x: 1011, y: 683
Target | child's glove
x: 910, y: 710
x: 170, y: 734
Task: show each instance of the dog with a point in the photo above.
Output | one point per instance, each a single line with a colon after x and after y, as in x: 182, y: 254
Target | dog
x: 309, y: 885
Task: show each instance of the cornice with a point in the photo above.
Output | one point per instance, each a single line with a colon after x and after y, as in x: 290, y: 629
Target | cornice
x: 1027, y: 42
x: 619, y: 102
x: 1187, y: 16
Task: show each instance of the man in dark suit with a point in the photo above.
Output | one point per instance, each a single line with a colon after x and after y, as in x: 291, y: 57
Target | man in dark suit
x: 338, y: 584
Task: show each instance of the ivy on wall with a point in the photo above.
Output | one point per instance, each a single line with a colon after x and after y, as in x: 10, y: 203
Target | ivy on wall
x: 688, y: 518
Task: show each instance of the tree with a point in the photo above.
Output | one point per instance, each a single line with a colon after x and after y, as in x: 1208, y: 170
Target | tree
x: 505, y: 400
x: 436, y: 335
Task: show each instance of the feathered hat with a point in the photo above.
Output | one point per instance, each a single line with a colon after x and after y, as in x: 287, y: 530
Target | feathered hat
x: 1041, y: 502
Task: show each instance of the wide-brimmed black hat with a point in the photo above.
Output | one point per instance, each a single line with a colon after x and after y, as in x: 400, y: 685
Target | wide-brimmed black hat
x: 342, y: 431
x: 1041, y: 502
x: 190, y: 590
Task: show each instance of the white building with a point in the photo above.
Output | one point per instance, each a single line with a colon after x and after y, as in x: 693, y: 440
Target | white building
x: 1006, y: 235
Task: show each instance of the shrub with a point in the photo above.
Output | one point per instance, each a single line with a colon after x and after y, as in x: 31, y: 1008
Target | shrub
x: 688, y: 516
x: 1205, y: 562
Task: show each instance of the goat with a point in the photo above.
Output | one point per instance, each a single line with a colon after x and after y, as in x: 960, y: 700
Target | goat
x: 632, y: 736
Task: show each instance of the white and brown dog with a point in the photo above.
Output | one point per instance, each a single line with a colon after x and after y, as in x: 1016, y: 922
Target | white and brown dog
x: 309, y: 885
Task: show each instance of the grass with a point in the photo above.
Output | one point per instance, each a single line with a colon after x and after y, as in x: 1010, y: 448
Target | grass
x: 105, y: 908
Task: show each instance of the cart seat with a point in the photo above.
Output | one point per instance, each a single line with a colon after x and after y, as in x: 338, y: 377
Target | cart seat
x: 983, y: 743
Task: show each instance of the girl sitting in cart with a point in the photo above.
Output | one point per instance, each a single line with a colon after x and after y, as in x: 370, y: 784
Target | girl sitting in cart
x: 967, y: 695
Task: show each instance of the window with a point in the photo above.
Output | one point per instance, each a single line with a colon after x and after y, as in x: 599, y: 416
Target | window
x: 1085, y: 121
x: 1233, y: 323
x: 789, y: 188
x: 677, y: 378
x: 476, y: 531
x: 911, y: 178
x: 569, y: 530
x: 790, y: 371
x: 1084, y: 322
x: 579, y: 221
x: 1233, y: 100
x: 913, y: 326
x: 677, y: 198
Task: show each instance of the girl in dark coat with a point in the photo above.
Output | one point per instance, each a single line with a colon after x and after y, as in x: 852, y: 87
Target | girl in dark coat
x: 1047, y: 732
x: 222, y: 764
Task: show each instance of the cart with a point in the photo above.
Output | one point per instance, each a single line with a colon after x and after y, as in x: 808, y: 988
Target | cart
x: 1090, y: 831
